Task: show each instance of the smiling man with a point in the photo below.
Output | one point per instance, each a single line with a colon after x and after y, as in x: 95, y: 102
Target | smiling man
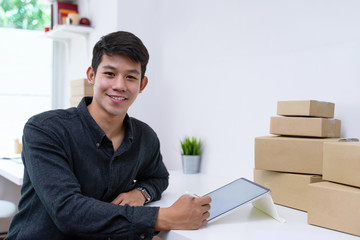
x: 88, y: 171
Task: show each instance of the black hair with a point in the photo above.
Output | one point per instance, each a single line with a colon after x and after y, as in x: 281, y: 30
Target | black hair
x: 122, y: 43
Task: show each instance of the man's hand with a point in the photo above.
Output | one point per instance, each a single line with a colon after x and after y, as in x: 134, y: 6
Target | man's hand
x: 186, y: 213
x: 133, y: 198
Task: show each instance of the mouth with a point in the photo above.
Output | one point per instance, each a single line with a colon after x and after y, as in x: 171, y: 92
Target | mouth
x: 117, y: 98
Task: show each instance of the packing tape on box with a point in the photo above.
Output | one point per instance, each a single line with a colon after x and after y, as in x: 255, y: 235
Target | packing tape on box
x: 348, y: 140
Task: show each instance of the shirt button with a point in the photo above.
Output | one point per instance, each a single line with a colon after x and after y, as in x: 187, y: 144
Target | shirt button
x: 142, y: 236
x: 97, y: 144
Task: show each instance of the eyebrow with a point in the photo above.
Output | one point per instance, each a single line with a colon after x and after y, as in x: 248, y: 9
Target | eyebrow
x: 135, y: 71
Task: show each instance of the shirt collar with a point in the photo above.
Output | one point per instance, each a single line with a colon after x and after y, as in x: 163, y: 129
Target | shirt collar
x: 129, y: 128
x: 98, y: 133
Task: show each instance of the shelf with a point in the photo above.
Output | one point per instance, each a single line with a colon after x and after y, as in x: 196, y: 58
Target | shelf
x: 68, y: 32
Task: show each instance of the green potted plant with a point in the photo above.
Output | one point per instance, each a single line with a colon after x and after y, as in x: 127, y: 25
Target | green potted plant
x: 191, y: 154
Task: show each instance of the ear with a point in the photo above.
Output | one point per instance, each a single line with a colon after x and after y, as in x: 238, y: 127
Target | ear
x: 90, y: 76
x: 143, y: 83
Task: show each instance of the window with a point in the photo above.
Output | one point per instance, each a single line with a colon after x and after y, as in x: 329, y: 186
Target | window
x: 26, y: 77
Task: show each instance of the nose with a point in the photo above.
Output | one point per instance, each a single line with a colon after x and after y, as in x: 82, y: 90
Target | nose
x: 119, y: 83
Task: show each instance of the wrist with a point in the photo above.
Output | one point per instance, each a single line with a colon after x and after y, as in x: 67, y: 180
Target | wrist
x: 145, y: 194
x: 162, y: 221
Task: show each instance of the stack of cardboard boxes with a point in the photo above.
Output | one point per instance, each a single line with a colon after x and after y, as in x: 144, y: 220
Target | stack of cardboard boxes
x: 288, y: 163
x: 336, y: 204
x: 292, y: 164
x: 79, y: 89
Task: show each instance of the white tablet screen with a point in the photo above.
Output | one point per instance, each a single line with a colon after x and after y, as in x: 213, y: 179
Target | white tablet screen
x: 233, y: 195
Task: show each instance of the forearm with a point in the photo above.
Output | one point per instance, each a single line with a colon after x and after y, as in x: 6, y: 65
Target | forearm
x: 95, y: 218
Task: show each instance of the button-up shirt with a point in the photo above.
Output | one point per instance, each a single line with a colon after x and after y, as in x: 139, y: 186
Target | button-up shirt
x: 72, y: 174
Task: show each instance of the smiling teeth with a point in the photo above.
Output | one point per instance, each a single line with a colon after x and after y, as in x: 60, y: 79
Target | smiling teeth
x: 118, y: 98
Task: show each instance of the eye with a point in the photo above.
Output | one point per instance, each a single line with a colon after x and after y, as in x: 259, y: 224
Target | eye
x: 110, y: 74
x: 131, y: 77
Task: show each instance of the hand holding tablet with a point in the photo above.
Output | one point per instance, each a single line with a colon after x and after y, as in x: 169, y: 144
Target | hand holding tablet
x: 191, y: 211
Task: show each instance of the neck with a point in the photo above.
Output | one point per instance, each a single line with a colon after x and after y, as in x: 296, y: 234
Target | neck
x: 113, y: 126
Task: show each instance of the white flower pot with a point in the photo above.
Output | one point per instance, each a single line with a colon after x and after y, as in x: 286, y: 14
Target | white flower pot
x: 191, y: 163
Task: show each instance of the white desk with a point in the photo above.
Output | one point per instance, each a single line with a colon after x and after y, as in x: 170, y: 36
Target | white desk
x: 11, y: 179
x: 12, y: 170
x: 246, y: 222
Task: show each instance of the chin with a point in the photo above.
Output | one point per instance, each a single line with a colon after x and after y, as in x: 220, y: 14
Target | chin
x: 116, y: 112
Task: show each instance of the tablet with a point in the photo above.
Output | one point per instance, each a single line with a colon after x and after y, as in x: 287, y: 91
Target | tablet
x: 233, y: 195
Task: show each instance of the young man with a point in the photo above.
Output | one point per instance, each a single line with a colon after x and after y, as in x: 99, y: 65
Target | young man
x: 89, y: 170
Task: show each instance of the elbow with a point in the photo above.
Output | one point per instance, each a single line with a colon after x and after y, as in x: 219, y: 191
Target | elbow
x: 66, y: 226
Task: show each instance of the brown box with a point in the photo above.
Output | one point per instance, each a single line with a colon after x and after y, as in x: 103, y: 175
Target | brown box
x: 290, y: 154
x: 79, y: 82
x: 309, y: 108
x: 81, y: 87
x: 86, y: 90
x: 305, y: 126
x: 74, y: 101
x: 342, y: 163
x: 334, y: 206
x: 288, y: 189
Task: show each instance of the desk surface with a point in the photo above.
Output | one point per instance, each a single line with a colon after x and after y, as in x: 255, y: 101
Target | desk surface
x: 12, y: 170
x: 246, y: 222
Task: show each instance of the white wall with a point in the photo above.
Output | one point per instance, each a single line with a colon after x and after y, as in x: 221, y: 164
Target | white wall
x: 218, y: 68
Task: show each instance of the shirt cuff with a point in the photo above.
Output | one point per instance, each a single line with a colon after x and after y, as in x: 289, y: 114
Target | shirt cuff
x: 143, y: 222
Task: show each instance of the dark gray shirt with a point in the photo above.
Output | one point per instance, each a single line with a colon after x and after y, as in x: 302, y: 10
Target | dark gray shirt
x: 72, y: 174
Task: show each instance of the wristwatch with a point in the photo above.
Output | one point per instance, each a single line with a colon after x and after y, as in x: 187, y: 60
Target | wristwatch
x: 145, y: 193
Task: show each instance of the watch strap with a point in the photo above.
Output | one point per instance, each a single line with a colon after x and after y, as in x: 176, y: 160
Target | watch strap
x: 145, y: 194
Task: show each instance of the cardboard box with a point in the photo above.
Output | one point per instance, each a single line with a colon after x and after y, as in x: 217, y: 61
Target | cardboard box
x: 309, y: 108
x: 79, y: 82
x: 290, y: 154
x: 74, y: 101
x: 342, y: 163
x: 86, y: 90
x: 334, y: 206
x: 288, y: 189
x: 305, y: 126
x: 81, y: 87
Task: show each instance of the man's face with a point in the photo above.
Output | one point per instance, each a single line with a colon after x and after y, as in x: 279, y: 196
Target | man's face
x: 116, y: 85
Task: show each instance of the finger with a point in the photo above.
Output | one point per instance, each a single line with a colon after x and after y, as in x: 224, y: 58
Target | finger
x: 187, y: 196
x: 204, y: 222
x: 116, y: 201
x: 206, y: 207
x: 203, y: 210
x: 204, y: 200
x: 206, y: 215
